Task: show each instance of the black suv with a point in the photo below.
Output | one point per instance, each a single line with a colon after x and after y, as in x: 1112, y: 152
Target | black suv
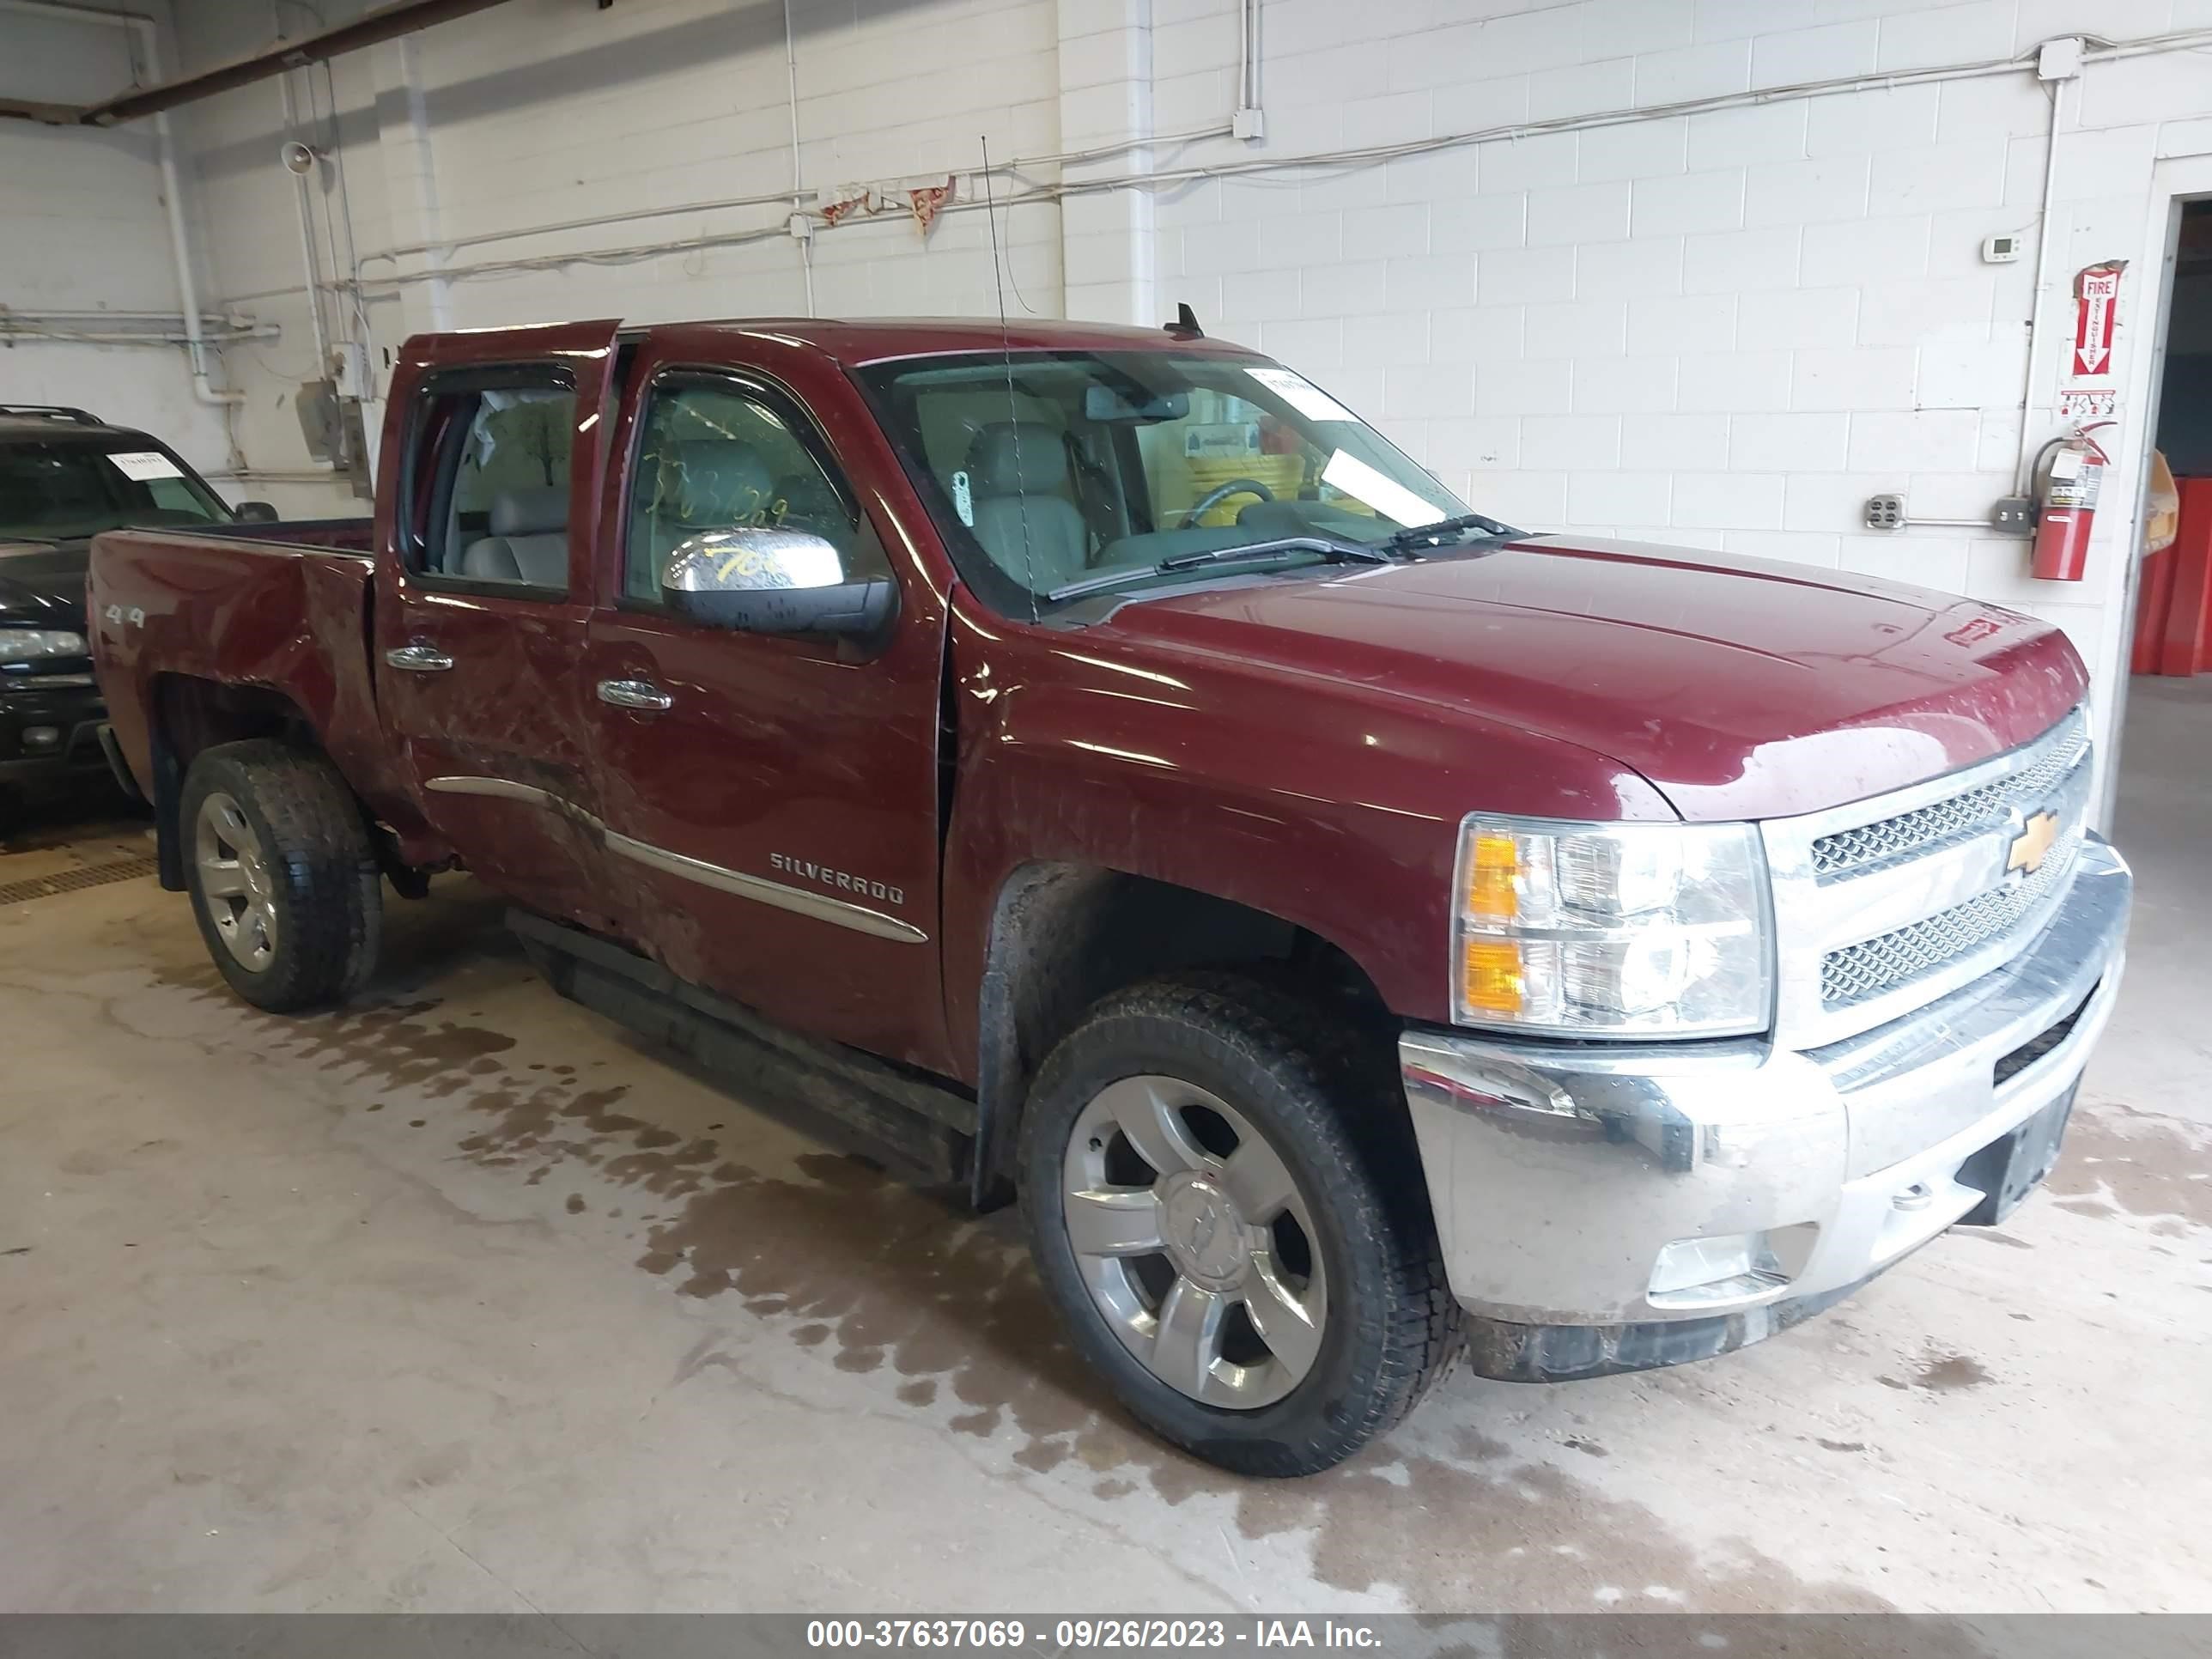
x: 65, y: 477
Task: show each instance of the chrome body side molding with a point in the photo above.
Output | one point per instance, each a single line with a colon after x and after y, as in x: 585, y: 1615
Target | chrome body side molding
x: 838, y: 912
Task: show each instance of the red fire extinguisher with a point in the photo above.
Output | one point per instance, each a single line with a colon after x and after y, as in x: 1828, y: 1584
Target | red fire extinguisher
x: 2070, y: 506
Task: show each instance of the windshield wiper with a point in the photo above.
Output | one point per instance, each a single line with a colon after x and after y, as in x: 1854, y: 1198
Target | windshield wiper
x: 1327, y: 546
x: 1445, y: 529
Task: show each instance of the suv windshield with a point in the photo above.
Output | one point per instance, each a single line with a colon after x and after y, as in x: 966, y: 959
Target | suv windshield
x: 1046, y: 472
x: 59, y: 490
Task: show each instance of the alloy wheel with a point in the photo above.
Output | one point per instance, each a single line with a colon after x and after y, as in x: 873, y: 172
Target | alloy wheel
x: 233, y: 879
x: 1194, y: 1242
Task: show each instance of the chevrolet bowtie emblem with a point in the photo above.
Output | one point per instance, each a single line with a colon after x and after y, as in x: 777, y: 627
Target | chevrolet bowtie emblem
x: 2033, y: 840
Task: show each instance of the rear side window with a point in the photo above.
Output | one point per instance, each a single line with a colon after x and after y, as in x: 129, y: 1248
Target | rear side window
x: 489, y: 473
x: 716, y: 453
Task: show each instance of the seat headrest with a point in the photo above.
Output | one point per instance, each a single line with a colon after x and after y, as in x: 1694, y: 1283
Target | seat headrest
x: 540, y: 511
x: 1017, y: 455
x: 724, y: 481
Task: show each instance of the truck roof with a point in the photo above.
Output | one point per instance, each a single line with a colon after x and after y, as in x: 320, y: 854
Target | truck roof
x: 15, y: 425
x: 876, y: 340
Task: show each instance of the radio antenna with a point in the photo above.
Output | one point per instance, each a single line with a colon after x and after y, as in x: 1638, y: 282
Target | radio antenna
x: 1007, y: 353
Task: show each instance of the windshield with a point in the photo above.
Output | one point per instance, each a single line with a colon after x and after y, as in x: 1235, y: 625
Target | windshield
x: 1093, y: 464
x: 56, y: 491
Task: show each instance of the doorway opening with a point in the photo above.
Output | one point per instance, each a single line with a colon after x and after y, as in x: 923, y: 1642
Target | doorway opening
x: 2174, y: 607
x: 2161, y: 789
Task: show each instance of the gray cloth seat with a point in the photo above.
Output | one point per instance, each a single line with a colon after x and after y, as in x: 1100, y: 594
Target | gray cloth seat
x: 529, y: 539
x: 1016, y: 473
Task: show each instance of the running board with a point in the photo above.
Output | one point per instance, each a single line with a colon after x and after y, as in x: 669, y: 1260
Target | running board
x: 924, y: 1124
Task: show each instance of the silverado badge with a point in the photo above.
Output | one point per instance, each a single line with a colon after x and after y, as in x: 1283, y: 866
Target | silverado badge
x: 2032, y: 842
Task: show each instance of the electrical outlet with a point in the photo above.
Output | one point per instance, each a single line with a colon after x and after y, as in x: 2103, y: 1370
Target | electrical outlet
x: 2014, y: 516
x: 1885, y: 512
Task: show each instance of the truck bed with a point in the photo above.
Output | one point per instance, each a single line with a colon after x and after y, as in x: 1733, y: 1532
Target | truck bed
x: 317, y: 535
x: 275, y: 614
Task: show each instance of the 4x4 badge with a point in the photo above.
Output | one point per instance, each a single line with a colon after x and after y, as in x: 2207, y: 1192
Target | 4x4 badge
x: 2032, y: 842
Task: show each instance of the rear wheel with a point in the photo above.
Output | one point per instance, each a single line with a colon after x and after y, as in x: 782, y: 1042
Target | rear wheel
x: 283, y: 881
x: 1231, y: 1221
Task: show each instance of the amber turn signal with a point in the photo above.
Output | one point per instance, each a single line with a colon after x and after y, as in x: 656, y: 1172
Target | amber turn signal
x: 1491, y: 892
x: 1491, y: 979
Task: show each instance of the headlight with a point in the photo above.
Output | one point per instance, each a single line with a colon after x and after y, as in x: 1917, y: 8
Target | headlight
x: 1611, y: 930
x: 29, y: 644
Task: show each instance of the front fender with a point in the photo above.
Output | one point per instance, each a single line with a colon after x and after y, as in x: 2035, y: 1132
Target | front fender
x: 1331, y: 806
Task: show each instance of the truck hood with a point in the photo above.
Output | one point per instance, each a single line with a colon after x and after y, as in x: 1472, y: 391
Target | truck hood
x: 1739, y: 688
x: 42, y: 583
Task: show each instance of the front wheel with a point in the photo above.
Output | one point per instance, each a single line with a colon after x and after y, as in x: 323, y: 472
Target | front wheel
x: 1230, y: 1218
x: 283, y: 881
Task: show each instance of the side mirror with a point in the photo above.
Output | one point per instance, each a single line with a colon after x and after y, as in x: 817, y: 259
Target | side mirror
x: 765, y: 581
x: 256, y: 512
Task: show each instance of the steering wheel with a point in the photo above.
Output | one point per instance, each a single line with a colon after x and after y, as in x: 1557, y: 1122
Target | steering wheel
x: 1220, y: 493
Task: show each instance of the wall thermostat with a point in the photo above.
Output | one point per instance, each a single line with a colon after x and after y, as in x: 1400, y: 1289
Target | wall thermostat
x: 2000, y: 250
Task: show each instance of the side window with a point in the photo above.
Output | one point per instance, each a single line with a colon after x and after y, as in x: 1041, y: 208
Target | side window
x: 489, y: 488
x: 714, y: 454
x: 175, y: 496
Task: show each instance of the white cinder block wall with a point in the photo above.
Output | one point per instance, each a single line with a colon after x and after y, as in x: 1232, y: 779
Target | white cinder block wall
x: 1723, y: 326
x: 1722, y: 329
x: 86, y: 233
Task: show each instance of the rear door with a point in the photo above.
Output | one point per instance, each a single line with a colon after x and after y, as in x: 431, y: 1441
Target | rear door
x: 484, y: 599
x: 775, y: 797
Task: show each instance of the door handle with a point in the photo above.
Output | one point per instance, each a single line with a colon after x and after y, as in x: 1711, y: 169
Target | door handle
x: 419, y: 659
x: 633, y: 694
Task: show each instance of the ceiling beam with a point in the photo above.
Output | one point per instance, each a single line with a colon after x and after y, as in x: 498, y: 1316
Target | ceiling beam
x: 386, y: 23
x: 24, y: 109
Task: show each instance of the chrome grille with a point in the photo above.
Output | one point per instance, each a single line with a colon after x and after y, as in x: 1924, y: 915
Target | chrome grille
x: 1876, y: 966
x: 1884, y: 904
x: 1969, y: 813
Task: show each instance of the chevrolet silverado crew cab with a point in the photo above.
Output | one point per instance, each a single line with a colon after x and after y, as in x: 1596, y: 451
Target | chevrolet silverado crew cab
x: 64, y: 476
x: 1359, y: 932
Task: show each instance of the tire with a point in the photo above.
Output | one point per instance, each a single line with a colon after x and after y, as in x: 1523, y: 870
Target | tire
x: 1230, y: 1056
x: 282, y: 877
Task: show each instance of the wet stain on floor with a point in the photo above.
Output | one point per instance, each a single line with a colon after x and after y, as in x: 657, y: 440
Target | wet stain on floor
x: 1946, y: 1373
x: 2117, y: 1159
x: 878, y: 1276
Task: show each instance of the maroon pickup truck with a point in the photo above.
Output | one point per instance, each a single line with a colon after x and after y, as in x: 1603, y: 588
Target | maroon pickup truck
x: 1100, y: 765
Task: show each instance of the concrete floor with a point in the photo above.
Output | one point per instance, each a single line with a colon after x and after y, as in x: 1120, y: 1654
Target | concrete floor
x: 459, y: 1299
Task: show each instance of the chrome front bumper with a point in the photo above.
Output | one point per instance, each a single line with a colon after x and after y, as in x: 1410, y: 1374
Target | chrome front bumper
x: 1572, y: 1183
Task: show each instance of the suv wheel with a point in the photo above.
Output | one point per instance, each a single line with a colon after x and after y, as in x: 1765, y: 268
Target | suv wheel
x: 1205, y: 1193
x: 283, y: 881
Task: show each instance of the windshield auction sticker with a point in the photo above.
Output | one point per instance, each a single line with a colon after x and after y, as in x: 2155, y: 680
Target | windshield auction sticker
x: 141, y: 465
x: 1301, y: 394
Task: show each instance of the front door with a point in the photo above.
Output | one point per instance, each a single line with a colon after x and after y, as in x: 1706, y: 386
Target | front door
x: 482, y: 606
x: 775, y: 797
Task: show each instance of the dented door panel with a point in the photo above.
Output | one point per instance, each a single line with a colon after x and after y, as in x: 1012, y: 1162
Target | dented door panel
x: 771, y: 803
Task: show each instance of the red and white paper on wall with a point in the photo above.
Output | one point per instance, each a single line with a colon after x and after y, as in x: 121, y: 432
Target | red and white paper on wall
x: 2096, y: 309
x: 927, y: 201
